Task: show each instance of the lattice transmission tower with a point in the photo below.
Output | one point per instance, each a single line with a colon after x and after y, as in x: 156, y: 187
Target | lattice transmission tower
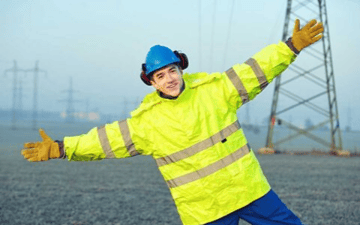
x: 70, y: 110
x: 36, y: 72
x: 308, y: 85
x: 16, y: 100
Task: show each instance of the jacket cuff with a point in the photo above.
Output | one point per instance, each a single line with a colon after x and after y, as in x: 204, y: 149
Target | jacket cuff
x: 291, y: 46
x: 61, y: 149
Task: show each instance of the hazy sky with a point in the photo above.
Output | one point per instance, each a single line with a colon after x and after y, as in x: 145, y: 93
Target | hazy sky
x: 102, y: 44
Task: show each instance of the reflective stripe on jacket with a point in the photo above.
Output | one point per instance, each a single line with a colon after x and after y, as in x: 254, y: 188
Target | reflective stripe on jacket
x: 196, y: 139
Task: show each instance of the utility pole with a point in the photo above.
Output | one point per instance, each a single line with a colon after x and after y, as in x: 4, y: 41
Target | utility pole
x: 36, y: 71
x: 70, y: 103
x: 15, y: 71
x: 20, y: 106
x: 348, y: 127
x: 318, y: 94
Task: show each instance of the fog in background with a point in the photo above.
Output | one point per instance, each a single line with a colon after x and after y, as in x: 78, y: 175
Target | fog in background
x: 102, y: 44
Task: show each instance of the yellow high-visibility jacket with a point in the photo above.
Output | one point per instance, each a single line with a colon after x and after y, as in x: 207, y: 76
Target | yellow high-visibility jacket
x: 196, y: 139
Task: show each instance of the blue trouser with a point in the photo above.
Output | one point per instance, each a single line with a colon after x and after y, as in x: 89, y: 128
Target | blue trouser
x: 268, y: 210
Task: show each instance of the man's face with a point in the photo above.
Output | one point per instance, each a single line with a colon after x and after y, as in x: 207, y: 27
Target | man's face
x: 168, y: 80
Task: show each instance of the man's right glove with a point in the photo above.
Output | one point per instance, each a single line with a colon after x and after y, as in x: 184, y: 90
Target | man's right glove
x: 309, y: 34
x: 41, y: 151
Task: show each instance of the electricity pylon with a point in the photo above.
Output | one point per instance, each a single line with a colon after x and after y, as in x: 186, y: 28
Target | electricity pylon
x: 314, y: 89
x: 15, y: 71
x: 70, y: 111
x: 36, y: 71
x: 20, y: 105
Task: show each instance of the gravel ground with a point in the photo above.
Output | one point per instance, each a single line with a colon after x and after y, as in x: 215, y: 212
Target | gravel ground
x: 319, y: 189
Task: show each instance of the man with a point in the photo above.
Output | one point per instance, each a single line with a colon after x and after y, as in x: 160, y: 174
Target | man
x: 189, y: 126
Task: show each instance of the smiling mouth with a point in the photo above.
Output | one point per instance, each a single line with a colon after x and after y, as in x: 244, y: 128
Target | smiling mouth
x: 172, y: 86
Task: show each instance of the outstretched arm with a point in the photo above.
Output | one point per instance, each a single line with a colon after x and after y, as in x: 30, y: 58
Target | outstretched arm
x: 119, y: 139
x: 114, y: 140
x: 251, y: 77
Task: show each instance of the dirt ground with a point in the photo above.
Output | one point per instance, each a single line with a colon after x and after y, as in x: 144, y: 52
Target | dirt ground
x: 319, y: 189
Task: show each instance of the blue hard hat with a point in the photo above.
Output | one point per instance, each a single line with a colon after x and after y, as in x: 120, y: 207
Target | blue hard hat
x: 158, y: 57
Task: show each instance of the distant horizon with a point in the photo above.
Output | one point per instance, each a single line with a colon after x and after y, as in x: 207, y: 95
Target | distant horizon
x: 105, y: 116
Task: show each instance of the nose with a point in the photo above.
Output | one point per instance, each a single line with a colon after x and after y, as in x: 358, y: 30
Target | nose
x: 170, y: 78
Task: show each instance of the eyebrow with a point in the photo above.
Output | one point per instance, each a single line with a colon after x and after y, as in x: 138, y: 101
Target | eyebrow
x: 159, y: 74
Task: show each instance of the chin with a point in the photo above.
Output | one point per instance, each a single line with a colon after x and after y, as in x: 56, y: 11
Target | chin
x: 174, y: 93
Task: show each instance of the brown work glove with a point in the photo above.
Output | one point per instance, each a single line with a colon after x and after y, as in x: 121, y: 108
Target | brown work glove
x: 41, y: 151
x: 309, y: 34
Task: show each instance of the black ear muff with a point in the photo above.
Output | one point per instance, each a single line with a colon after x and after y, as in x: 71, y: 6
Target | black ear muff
x: 184, y: 62
x: 143, y: 76
x: 145, y: 79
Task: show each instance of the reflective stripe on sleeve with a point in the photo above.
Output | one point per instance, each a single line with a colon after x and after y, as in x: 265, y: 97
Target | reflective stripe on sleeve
x: 258, y: 72
x: 234, y: 78
x: 124, y: 128
x: 216, y: 138
x: 208, y: 170
x: 105, y: 142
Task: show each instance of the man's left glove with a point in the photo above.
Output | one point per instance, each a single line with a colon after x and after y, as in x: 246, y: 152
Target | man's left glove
x: 41, y: 151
